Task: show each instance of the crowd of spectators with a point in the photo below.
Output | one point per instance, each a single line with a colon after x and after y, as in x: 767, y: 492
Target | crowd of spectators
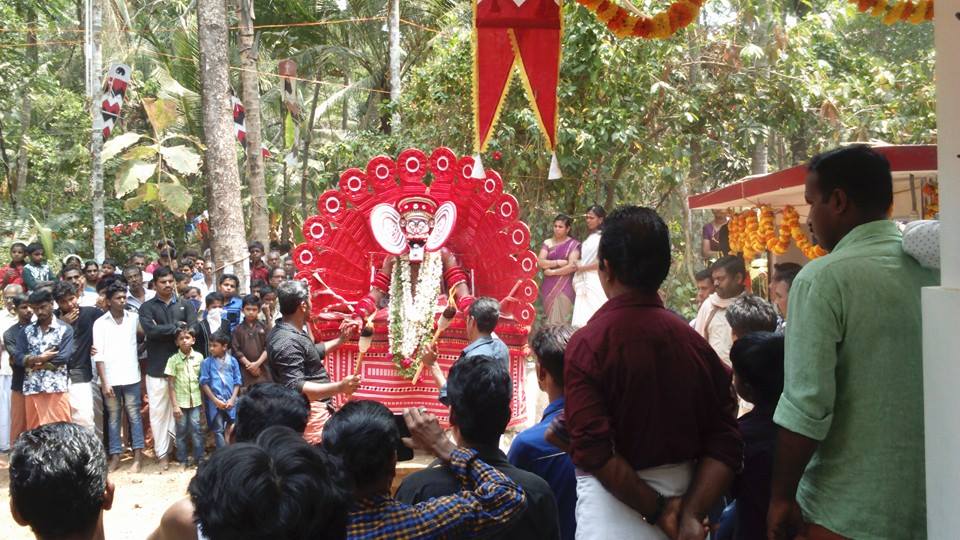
x: 736, y: 424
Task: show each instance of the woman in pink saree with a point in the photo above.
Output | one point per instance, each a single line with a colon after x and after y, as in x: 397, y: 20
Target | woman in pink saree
x: 557, y: 259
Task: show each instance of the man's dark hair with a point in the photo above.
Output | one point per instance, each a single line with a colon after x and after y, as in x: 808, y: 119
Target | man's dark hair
x: 731, y: 264
x: 113, y: 288
x: 279, y: 487
x: 250, y: 300
x: 479, y: 392
x: 257, y: 284
x: 786, y: 272
x: 255, y: 244
x: 63, y: 289
x: 751, y: 313
x: 236, y: 280
x: 40, y: 296
x: 131, y: 268
x: 65, y: 269
x: 215, y: 296
x: 364, y: 436
x: 20, y: 299
x: 221, y: 337
x: 758, y: 359
x: 290, y: 294
x: 34, y: 247
x: 179, y: 276
x: 111, y: 261
x: 548, y: 344
x: 162, y: 272
x: 269, y: 404
x: 88, y: 264
x: 860, y: 172
x: 635, y: 248
x: 168, y: 253
x: 598, y: 211
x: 192, y: 253
x: 188, y: 331
x: 703, y: 275
x: 265, y: 290
x: 58, y: 477
x: 137, y: 255
x: 486, y: 311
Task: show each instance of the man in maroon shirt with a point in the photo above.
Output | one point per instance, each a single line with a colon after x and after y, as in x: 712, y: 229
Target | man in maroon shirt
x: 649, y: 405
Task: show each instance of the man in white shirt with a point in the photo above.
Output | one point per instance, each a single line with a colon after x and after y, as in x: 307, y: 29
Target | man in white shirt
x: 115, y: 340
x: 729, y: 274
x: 7, y: 319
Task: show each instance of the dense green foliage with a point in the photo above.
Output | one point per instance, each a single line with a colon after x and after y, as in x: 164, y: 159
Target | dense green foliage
x: 751, y: 86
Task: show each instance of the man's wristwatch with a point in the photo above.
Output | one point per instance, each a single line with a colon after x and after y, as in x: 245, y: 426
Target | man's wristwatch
x: 653, y: 518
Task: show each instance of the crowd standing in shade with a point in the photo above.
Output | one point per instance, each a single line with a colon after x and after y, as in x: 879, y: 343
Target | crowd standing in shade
x: 641, y: 438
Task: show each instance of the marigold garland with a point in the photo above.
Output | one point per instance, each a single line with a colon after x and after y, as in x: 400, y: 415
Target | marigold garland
x: 891, y: 12
x: 660, y: 26
x: 752, y: 235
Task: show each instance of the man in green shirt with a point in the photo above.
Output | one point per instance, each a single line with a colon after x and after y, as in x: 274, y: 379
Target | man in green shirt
x: 850, y: 458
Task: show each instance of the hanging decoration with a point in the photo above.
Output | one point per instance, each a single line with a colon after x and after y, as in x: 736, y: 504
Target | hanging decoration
x: 525, y: 33
x: 240, y: 125
x: 114, y: 89
x: 752, y: 232
x: 631, y: 23
x: 892, y: 11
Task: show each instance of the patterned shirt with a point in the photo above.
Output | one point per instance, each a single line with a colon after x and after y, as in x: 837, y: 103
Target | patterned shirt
x: 185, y: 371
x: 52, y: 377
x: 495, y: 502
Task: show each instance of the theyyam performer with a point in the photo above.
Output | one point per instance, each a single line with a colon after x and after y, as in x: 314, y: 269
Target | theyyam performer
x: 395, y: 246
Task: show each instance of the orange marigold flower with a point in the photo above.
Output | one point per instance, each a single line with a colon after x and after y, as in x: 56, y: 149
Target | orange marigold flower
x: 661, y: 26
x: 643, y: 28
x: 681, y: 14
x: 618, y: 21
x: 907, y: 11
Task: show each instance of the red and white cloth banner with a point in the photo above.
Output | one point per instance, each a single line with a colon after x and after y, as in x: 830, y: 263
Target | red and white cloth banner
x: 111, y: 103
x: 240, y: 125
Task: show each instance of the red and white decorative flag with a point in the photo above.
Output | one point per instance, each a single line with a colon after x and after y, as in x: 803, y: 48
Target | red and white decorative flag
x: 111, y: 103
x: 240, y: 125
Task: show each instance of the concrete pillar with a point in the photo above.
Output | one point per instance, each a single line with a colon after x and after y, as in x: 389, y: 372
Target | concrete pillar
x: 941, y: 305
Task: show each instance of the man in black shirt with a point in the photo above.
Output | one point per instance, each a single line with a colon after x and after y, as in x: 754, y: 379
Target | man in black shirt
x: 297, y: 362
x: 479, y: 391
x: 86, y: 401
x: 18, y: 418
x: 161, y: 317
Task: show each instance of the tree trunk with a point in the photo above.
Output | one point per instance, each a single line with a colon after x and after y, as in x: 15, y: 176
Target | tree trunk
x: 285, y: 213
x: 307, y: 139
x: 691, y: 248
x: 259, y: 213
x: 222, y: 175
x: 758, y: 161
x: 394, y: 22
x: 93, y: 15
x: 26, y: 106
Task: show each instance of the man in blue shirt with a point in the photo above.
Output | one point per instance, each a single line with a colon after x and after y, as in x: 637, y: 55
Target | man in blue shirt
x: 482, y: 317
x: 530, y: 450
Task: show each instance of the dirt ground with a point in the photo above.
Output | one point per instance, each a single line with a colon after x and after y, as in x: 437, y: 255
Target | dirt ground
x: 139, y: 500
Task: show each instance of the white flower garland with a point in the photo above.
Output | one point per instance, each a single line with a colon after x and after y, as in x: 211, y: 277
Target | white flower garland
x: 410, y: 318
